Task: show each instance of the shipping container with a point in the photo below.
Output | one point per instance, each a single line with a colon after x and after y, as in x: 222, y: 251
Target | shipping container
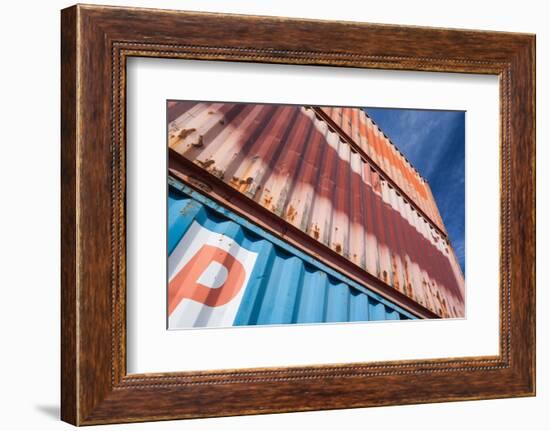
x: 331, y: 173
x: 226, y: 271
x: 357, y: 125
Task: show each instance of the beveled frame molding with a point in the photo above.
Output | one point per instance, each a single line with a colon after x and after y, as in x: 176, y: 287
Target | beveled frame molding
x: 96, y: 41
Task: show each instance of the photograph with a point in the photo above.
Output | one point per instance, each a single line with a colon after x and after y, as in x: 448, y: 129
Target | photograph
x: 298, y: 214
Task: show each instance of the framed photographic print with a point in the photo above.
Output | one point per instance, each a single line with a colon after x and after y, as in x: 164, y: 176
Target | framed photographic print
x: 259, y: 217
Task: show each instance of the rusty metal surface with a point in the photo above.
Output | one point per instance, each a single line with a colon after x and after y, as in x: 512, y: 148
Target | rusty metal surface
x: 297, y: 164
x: 357, y: 125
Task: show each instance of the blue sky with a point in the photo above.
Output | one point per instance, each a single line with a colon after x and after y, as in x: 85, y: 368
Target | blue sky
x: 434, y: 142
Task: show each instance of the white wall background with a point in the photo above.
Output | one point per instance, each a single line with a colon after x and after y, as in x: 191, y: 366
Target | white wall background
x: 29, y: 219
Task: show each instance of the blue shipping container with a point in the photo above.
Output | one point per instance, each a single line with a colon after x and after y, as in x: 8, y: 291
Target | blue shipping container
x: 224, y: 271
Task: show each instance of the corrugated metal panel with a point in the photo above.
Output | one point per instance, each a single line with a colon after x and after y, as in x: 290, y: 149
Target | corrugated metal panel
x: 224, y: 270
x: 356, y: 124
x: 290, y: 160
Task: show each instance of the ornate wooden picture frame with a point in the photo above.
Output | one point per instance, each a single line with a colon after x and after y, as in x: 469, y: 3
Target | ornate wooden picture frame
x: 96, y: 41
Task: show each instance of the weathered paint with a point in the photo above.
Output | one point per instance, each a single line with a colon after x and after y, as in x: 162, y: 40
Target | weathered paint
x: 356, y: 124
x: 308, y: 166
x: 225, y: 271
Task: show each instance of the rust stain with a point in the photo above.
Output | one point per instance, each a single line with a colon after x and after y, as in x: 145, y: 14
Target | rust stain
x: 410, y: 292
x: 217, y: 173
x: 316, y: 232
x: 209, y: 165
x: 173, y: 133
x: 291, y: 213
x: 234, y: 181
x: 338, y: 248
x: 199, y: 143
x: 206, y: 164
x: 396, y: 283
x: 244, y: 184
x: 184, y: 133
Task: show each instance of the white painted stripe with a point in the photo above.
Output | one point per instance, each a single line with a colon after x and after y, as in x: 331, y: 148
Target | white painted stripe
x: 190, y: 313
